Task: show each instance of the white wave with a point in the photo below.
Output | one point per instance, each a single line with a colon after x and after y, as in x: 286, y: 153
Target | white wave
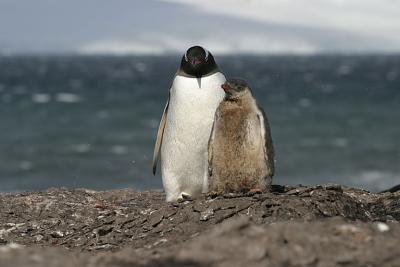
x: 119, y: 150
x: 141, y: 66
x: 340, y: 142
x: 81, y: 148
x: 305, y: 102
x: 344, y: 70
x: 41, y: 98
x: 68, y: 98
x: 25, y: 165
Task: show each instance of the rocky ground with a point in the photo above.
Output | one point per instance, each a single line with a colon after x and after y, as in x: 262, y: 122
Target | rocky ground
x: 326, y: 225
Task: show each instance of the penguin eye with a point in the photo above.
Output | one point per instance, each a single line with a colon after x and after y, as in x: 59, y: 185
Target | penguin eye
x: 186, y: 57
x: 206, y: 57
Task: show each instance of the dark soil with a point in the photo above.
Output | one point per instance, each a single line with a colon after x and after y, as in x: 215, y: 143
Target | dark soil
x: 326, y: 225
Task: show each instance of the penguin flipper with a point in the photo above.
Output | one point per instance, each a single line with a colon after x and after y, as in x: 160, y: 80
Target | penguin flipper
x: 210, y: 147
x: 160, y: 134
x: 269, y: 153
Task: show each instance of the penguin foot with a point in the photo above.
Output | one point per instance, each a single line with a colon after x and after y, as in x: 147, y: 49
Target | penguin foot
x: 254, y: 191
x: 185, y: 197
x: 213, y: 194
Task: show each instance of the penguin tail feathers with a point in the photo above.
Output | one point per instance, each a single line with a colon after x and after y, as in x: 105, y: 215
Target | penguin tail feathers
x: 154, y: 169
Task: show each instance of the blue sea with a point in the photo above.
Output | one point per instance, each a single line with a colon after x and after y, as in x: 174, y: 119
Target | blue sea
x: 91, y: 121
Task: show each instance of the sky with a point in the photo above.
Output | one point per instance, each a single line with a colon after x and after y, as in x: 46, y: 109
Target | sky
x: 223, y: 26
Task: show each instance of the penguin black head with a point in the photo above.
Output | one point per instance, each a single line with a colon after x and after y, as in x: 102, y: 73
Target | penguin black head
x: 235, y: 88
x: 198, y: 62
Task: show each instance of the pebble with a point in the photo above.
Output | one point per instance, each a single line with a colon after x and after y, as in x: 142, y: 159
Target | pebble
x: 382, y: 227
x: 206, y: 215
x: 57, y: 234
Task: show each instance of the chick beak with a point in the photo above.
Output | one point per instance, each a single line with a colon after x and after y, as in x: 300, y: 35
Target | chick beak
x: 226, y: 87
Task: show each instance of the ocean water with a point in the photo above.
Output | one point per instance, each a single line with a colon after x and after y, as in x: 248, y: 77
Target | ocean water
x: 91, y: 121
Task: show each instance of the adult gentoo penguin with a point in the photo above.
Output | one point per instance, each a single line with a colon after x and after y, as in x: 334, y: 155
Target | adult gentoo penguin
x: 186, y: 123
x: 241, y: 154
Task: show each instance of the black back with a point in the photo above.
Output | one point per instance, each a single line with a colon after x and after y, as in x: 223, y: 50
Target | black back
x: 197, y: 62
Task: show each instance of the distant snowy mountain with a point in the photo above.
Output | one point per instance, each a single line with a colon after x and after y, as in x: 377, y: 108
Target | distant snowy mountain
x: 371, y: 17
x: 225, y: 26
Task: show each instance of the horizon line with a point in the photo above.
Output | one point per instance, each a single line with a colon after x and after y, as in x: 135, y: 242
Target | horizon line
x: 172, y: 53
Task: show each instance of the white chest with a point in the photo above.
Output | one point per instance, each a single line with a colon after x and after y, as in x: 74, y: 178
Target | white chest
x: 193, y: 106
x: 188, y: 126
